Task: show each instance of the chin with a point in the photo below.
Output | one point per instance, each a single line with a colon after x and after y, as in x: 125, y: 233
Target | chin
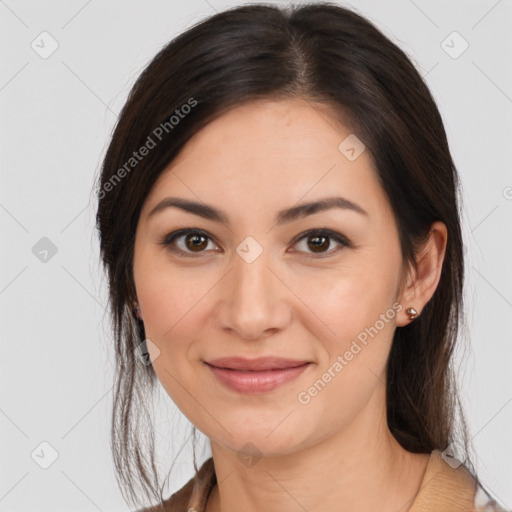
x: 262, y: 441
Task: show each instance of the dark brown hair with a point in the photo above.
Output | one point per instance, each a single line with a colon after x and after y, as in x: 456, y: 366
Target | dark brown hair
x: 324, y: 54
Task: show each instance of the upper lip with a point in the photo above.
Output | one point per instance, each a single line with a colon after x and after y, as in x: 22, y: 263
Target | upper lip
x: 261, y: 363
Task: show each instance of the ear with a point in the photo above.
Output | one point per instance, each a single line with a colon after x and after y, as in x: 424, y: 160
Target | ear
x: 421, y: 287
x: 137, y: 311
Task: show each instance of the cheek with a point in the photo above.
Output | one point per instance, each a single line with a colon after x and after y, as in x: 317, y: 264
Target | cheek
x: 171, y: 323
x: 356, y: 322
x: 344, y: 303
x: 169, y: 296
x: 174, y: 305
x: 359, y: 309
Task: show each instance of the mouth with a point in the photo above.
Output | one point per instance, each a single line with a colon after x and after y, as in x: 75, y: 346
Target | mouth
x: 256, y: 375
x: 259, y: 364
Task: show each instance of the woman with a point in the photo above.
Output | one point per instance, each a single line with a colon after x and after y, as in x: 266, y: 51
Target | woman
x: 279, y: 222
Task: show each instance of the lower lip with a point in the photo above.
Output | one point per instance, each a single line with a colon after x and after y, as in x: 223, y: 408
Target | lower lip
x: 252, y: 382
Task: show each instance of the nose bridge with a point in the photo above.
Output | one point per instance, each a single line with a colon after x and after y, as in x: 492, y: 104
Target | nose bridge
x: 253, y: 281
x: 251, y: 274
x: 253, y: 300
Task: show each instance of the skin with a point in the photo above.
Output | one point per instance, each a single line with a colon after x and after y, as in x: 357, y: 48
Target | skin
x: 335, y: 452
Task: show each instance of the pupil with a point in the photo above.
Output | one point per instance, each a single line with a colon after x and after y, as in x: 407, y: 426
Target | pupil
x: 316, y: 246
x: 196, y: 241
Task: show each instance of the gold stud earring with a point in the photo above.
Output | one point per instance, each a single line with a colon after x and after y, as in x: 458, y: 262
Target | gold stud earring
x: 412, y: 313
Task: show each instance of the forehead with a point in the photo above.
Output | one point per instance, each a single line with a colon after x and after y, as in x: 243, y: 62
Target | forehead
x: 273, y: 153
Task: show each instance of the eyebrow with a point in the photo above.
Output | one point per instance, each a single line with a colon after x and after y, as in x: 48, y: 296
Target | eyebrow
x: 282, y: 217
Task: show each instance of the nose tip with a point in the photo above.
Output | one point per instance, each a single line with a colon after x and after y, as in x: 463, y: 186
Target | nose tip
x: 256, y: 335
x: 253, y: 303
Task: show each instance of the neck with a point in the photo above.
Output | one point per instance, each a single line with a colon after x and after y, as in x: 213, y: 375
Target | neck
x: 362, y: 467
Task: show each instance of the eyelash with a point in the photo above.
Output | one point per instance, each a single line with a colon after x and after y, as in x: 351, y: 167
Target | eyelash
x: 333, y: 235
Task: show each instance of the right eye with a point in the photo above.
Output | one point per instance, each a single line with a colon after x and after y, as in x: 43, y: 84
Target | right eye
x: 194, y: 241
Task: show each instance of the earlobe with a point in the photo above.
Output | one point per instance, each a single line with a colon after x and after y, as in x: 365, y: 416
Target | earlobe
x: 412, y: 313
x: 137, y: 311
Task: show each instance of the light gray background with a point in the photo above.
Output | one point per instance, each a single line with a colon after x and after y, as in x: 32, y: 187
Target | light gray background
x: 56, y: 117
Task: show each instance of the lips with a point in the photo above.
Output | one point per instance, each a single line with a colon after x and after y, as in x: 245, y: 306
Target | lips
x: 252, y: 376
x: 259, y: 364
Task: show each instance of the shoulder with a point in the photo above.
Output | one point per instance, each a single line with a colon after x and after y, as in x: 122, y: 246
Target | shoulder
x: 445, y: 488
x: 193, y: 495
x: 450, y: 487
x: 483, y: 502
x: 177, y: 502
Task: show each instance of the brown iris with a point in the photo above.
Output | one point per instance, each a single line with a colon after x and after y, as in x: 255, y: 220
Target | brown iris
x: 315, y: 245
x: 196, y: 242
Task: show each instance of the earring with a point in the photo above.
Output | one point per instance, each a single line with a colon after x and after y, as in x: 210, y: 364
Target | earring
x: 412, y: 313
x: 136, y: 312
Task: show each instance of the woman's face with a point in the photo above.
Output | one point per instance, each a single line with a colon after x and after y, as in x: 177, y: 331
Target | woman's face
x: 257, y: 284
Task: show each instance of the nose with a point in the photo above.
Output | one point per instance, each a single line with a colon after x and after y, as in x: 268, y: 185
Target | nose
x: 254, y: 301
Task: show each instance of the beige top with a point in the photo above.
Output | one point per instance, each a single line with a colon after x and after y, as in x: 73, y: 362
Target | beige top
x: 442, y: 489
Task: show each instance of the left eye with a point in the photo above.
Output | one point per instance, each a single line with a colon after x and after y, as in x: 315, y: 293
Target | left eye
x: 196, y: 241
x: 320, y: 238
